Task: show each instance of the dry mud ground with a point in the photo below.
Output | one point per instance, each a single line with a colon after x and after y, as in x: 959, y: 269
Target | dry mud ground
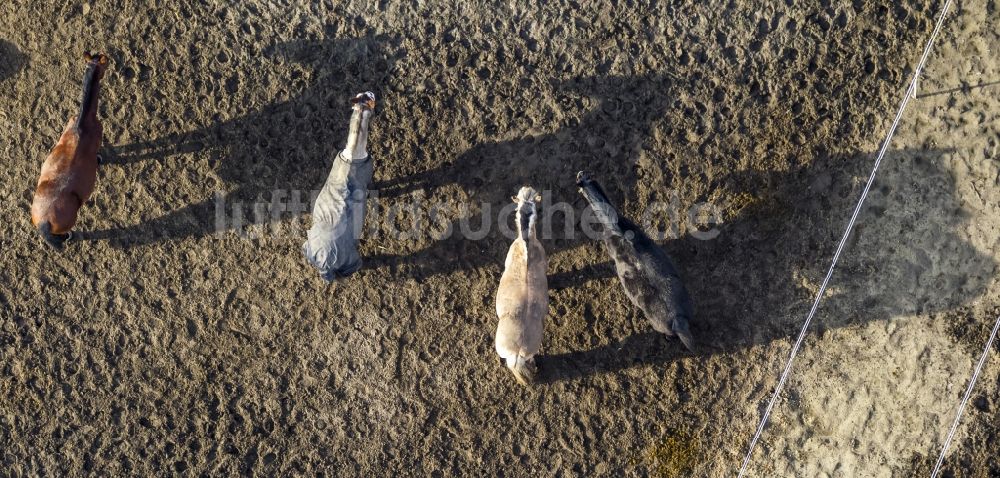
x: 159, y: 345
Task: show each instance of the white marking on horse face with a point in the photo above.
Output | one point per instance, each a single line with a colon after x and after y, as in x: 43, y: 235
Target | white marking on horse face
x: 527, y: 194
x: 364, y: 100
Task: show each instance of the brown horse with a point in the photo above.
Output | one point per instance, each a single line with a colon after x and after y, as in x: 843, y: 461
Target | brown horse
x: 70, y: 171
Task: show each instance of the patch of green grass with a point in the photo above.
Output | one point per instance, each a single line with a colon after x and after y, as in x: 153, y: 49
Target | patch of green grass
x: 673, y: 455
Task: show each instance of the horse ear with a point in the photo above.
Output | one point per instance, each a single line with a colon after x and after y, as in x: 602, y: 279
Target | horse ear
x: 87, y: 56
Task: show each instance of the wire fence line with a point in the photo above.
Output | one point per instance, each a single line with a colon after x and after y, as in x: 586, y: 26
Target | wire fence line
x: 965, y: 399
x: 910, y: 93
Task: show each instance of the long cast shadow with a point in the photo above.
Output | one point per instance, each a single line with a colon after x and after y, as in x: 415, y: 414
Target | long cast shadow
x: 904, y: 258
x: 282, y: 146
x: 964, y: 89
x: 606, y: 140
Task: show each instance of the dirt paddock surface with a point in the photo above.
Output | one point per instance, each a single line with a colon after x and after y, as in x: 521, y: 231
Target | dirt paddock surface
x: 160, y: 345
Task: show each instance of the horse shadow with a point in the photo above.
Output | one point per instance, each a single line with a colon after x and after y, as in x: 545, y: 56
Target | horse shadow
x: 11, y: 60
x: 754, y: 283
x: 606, y: 140
x: 279, y: 147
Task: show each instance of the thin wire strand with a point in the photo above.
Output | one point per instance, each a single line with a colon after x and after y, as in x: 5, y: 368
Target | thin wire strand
x: 910, y: 92
x: 965, y: 399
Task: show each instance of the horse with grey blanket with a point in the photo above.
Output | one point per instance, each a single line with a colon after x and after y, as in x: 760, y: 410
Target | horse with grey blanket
x: 338, y: 214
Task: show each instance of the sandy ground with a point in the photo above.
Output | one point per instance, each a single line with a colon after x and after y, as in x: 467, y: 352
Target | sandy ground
x: 160, y: 345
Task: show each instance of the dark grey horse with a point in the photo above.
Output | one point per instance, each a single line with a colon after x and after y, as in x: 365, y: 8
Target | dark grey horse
x: 650, y: 279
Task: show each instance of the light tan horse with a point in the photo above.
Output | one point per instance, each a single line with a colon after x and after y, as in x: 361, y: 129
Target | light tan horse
x: 523, y: 295
x: 70, y: 171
